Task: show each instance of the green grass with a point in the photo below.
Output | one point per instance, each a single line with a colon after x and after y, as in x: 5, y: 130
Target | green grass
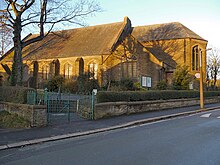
x: 8, y: 120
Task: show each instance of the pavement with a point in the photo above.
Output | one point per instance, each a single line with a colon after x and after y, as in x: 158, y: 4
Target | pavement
x: 14, y: 138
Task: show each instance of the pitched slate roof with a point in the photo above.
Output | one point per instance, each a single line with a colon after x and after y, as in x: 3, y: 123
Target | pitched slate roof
x: 86, y: 41
x: 93, y: 40
x: 167, y: 31
x: 162, y: 56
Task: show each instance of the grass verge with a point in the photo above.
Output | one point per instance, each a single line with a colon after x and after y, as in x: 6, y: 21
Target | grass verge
x: 8, y: 120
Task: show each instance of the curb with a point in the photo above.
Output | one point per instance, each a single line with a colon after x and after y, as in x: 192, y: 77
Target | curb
x: 78, y: 134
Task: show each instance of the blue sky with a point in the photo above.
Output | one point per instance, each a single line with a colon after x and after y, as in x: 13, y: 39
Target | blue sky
x: 201, y: 16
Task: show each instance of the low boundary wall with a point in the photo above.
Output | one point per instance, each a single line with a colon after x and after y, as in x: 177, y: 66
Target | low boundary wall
x: 110, y: 109
x: 36, y: 114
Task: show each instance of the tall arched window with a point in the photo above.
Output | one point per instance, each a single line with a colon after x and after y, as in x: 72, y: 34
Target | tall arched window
x: 25, y: 72
x: 93, y: 70
x: 68, y: 71
x: 57, y: 67
x: 195, y: 58
x: 45, y: 72
x: 35, y: 74
x: 81, y: 66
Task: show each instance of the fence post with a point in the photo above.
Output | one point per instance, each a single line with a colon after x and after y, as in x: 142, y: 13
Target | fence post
x: 31, y: 97
x: 45, y: 96
x: 68, y: 107
x: 94, y: 92
x: 59, y: 102
x: 77, y: 105
x: 35, y: 97
x: 47, y: 104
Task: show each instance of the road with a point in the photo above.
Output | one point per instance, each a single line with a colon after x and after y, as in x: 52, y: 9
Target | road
x: 189, y: 140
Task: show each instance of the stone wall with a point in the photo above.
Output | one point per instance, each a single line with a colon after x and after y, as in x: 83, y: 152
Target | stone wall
x: 36, y: 114
x: 110, y: 109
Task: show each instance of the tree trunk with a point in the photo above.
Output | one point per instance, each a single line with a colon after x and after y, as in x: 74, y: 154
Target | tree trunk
x: 17, y: 67
x: 215, y: 79
x: 35, y: 74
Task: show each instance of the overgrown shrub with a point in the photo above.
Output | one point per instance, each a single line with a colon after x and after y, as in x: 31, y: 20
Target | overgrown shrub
x: 181, y: 78
x: 1, y: 80
x: 162, y: 85
x: 70, y: 86
x: 14, y: 94
x: 128, y: 84
x: 55, y: 83
x: 149, y: 95
x: 85, y: 84
x: 122, y: 85
x: 138, y: 87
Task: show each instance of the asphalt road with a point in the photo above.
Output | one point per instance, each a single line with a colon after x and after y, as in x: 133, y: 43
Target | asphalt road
x: 190, y: 140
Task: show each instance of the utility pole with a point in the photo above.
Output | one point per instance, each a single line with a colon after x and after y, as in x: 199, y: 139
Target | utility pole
x: 201, y: 81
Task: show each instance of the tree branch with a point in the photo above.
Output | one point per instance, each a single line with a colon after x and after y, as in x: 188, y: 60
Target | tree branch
x: 8, y: 11
x: 27, y: 5
x: 13, y: 6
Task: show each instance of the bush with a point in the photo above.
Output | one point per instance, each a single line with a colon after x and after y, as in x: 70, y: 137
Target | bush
x: 70, y: 86
x: 85, y: 84
x: 122, y: 85
x: 128, y: 84
x: 162, y: 85
x: 14, y: 94
x: 181, y: 78
x: 149, y: 95
x: 55, y: 83
x: 1, y: 80
x: 137, y: 86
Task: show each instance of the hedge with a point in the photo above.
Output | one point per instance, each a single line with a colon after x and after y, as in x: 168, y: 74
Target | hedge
x: 14, y: 94
x: 150, y: 95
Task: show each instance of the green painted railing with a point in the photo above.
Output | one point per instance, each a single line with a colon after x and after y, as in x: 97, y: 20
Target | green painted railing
x: 82, y: 105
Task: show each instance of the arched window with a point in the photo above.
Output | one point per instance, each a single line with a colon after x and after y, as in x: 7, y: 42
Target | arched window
x: 35, y: 74
x: 57, y: 67
x: 68, y: 71
x: 195, y: 58
x: 25, y: 72
x: 93, y: 70
x: 45, y: 72
x: 79, y: 66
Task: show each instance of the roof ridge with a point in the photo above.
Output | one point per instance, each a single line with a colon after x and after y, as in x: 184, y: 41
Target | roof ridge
x: 126, y: 22
x: 84, y: 41
x: 186, y: 30
x: 177, y: 29
x: 158, y: 24
x: 78, y: 28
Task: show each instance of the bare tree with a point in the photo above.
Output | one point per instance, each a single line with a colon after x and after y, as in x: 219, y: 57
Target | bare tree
x: 5, y: 36
x: 213, y: 67
x: 44, y: 15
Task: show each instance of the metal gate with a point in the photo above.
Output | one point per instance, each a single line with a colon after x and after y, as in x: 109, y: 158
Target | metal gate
x: 63, y: 107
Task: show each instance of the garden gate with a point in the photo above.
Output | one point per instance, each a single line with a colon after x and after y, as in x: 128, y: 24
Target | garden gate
x: 63, y: 106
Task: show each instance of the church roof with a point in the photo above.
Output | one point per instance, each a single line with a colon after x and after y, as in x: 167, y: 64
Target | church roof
x: 162, y: 56
x: 78, y: 42
x: 167, y: 31
x: 93, y: 40
x: 101, y: 40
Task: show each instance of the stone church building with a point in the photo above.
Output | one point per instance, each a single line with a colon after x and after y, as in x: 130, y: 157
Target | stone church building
x: 112, y: 51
